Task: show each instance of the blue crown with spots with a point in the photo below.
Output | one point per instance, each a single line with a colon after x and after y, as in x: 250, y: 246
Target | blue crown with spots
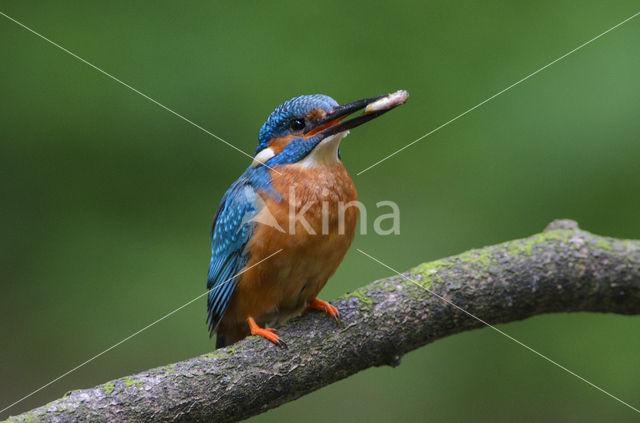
x: 278, y: 122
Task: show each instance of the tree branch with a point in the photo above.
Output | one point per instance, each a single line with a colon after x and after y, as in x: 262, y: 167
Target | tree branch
x: 563, y: 269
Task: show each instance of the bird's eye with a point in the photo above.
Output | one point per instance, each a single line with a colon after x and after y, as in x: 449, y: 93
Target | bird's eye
x: 297, y: 124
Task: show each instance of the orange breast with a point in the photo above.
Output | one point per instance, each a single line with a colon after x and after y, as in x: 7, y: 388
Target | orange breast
x: 281, y: 287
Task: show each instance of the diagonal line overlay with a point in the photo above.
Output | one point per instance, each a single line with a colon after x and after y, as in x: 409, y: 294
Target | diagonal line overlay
x: 135, y: 333
x: 133, y: 89
x: 501, y: 332
x: 498, y: 93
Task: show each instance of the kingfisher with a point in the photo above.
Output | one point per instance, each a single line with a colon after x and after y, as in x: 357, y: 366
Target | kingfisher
x: 284, y: 226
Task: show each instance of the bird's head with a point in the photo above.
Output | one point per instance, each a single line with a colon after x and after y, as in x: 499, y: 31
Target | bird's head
x: 308, y: 129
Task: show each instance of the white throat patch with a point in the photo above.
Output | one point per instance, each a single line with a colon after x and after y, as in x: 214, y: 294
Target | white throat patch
x: 325, y: 153
x: 262, y: 157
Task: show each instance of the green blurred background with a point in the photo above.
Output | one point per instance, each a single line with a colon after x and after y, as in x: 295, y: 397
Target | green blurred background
x: 107, y: 199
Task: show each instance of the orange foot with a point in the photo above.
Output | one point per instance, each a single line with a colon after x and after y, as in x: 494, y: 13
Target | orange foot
x: 267, y: 333
x: 325, y: 307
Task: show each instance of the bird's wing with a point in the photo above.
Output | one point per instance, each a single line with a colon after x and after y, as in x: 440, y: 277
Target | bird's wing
x: 232, y: 228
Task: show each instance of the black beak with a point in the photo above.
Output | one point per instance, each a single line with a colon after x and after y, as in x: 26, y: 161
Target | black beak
x: 374, y: 107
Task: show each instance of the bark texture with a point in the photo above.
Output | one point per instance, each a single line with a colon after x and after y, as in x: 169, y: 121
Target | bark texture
x: 563, y: 269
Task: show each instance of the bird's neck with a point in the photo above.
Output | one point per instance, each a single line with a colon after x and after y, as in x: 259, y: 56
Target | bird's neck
x: 325, y: 153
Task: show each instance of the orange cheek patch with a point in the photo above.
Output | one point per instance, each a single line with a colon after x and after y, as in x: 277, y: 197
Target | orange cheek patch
x: 316, y: 114
x: 278, y: 144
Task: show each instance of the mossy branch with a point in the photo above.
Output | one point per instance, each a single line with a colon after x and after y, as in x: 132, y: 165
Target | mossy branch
x: 563, y: 269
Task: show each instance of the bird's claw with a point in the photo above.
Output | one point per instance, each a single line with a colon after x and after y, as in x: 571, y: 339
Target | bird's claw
x: 325, y: 307
x: 338, y: 320
x: 267, y: 333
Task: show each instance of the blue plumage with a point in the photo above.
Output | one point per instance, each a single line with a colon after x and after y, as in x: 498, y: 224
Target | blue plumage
x: 231, y: 230
x: 276, y: 124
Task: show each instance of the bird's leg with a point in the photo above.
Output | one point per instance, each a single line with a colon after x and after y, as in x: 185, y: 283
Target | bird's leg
x: 325, y: 307
x: 267, y: 333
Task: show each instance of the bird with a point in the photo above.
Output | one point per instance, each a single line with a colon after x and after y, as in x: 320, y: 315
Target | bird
x: 279, y: 233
